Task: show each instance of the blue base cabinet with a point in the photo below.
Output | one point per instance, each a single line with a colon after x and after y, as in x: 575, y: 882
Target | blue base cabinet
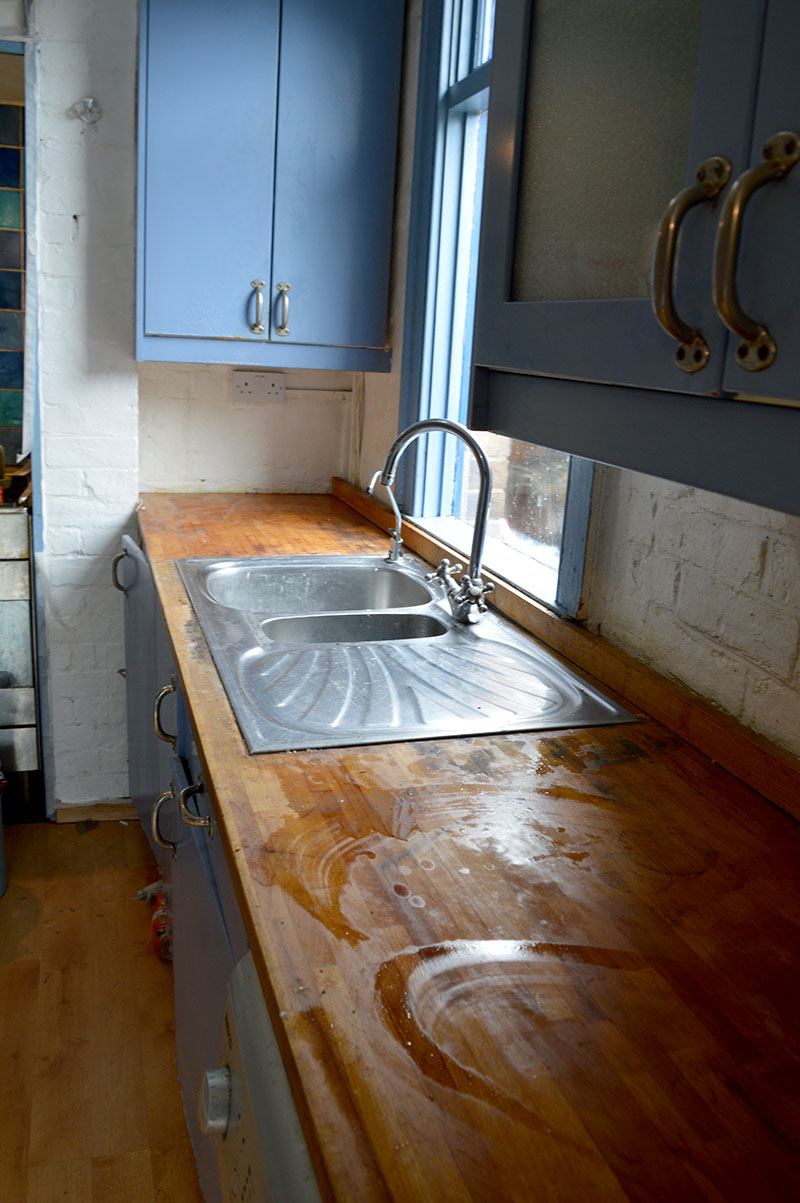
x: 203, y: 962
x: 149, y: 667
x: 267, y: 145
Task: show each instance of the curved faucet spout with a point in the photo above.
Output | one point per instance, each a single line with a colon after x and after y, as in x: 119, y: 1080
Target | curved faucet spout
x: 466, y: 597
x: 485, y: 474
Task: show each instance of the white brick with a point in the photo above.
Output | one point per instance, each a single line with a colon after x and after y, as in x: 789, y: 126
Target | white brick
x: 87, y: 510
x: 759, y: 630
x: 773, y: 709
x: 62, y: 541
x: 117, y: 421
x: 64, y: 482
x: 741, y: 555
x: 712, y: 671
x: 781, y: 582
x: 81, y: 452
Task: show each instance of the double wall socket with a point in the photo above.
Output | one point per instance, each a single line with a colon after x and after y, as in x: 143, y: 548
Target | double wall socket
x: 258, y: 386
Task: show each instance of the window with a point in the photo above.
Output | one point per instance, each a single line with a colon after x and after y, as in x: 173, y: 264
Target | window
x: 540, y: 498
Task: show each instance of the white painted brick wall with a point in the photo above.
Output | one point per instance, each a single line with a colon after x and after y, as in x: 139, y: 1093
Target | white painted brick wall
x: 83, y: 255
x: 704, y: 589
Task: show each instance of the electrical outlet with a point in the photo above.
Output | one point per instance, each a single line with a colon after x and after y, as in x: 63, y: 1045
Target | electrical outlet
x: 258, y: 386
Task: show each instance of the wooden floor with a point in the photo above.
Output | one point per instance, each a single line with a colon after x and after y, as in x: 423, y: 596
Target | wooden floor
x: 90, y: 1108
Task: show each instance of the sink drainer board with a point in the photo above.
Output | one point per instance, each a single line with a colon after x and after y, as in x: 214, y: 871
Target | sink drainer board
x: 330, y: 651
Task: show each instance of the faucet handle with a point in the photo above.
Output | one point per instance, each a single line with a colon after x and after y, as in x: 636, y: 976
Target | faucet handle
x: 444, y: 573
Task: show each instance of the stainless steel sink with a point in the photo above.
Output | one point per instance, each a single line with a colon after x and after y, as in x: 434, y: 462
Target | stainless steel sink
x: 326, y: 651
x: 366, y: 627
x: 311, y: 585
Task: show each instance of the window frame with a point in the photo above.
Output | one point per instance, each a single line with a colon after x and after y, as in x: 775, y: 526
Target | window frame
x: 451, y: 83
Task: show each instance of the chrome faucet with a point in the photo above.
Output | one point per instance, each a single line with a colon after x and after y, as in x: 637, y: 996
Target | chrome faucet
x: 466, y: 597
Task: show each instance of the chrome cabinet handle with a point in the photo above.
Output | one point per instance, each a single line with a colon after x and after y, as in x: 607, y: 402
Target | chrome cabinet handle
x: 154, y: 813
x: 118, y: 558
x: 757, y: 349
x: 159, y: 730
x: 283, y: 325
x: 712, y: 176
x: 186, y: 814
x: 258, y: 325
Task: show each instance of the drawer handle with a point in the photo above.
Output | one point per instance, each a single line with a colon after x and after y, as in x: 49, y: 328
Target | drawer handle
x: 154, y: 813
x: 712, y: 176
x: 283, y: 301
x: 187, y: 816
x: 118, y: 558
x: 757, y: 349
x: 258, y: 325
x: 159, y: 730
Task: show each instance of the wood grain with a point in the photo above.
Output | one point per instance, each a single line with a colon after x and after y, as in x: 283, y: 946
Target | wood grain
x: 770, y: 769
x: 89, y: 1097
x: 514, y: 967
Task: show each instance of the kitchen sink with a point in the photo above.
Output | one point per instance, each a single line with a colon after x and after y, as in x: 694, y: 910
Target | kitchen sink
x: 327, y: 651
x: 312, y: 585
x: 367, y: 627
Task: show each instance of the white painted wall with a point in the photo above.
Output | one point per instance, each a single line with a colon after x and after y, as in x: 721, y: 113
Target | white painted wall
x: 705, y: 590
x: 98, y: 411
x: 195, y: 437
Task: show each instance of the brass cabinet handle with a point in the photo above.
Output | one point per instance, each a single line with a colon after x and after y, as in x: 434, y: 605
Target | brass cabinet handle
x: 258, y: 324
x: 283, y: 324
x: 712, y: 176
x: 154, y: 813
x: 186, y: 814
x: 159, y: 730
x: 114, y: 578
x: 757, y: 349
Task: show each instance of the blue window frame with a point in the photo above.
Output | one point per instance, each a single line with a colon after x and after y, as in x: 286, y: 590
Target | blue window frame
x: 453, y: 95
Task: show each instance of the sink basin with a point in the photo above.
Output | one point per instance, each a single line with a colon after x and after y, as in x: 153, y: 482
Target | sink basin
x: 312, y: 584
x: 327, y: 651
x: 353, y: 628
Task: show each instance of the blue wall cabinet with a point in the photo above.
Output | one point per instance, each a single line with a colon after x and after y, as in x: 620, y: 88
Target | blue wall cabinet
x: 267, y: 145
x: 599, y: 116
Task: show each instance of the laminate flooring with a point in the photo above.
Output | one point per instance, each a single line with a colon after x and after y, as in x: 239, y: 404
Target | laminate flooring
x: 90, y: 1108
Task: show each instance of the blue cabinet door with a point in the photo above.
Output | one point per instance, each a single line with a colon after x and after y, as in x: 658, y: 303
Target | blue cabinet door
x: 544, y: 173
x: 268, y: 134
x: 768, y: 269
x: 209, y: 96
x: 148, y: 667
x: 335, y: 166
x: 202, y: 963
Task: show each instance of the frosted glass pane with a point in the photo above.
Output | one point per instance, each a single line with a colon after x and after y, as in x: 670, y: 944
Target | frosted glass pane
x: 605, y: 143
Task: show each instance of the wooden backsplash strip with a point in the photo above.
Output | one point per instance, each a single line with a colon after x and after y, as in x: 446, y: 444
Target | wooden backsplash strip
x: 758, y: 762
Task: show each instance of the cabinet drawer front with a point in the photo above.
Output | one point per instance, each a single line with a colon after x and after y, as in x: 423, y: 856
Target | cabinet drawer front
x: 14, y: 580
x: 14, y: 535
x: 19, y: 749
x: 16, y: 648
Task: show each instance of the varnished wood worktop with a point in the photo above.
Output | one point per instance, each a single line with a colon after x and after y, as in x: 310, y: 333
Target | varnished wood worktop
x: 557, y: 966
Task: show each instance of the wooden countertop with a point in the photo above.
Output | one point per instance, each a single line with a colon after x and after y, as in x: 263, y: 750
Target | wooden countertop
x: 558, y: 966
